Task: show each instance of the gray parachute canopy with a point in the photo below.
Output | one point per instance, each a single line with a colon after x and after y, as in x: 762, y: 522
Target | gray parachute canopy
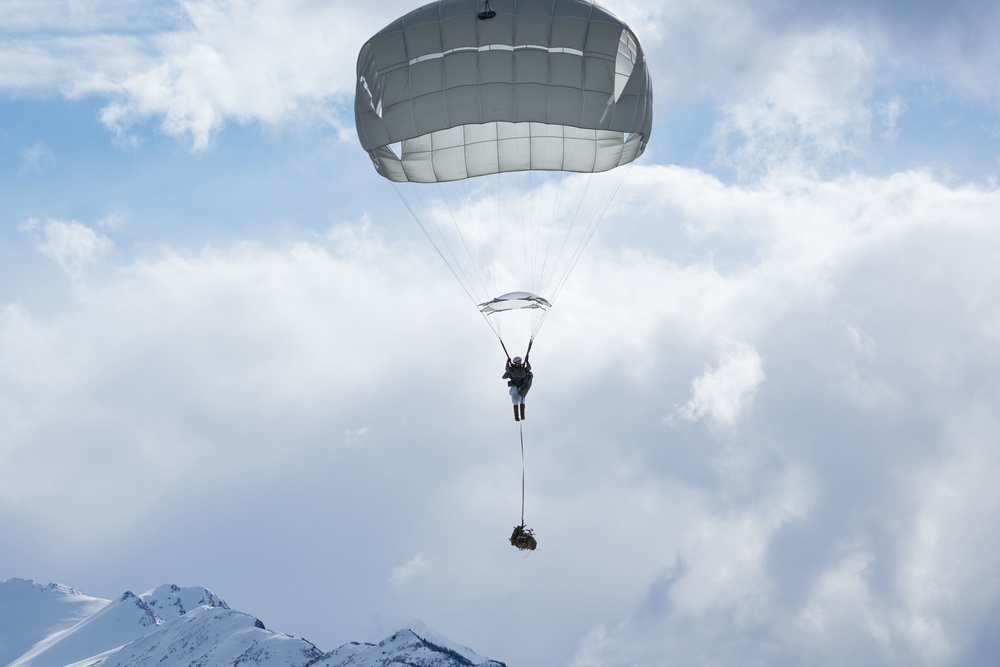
x: 543, y: 85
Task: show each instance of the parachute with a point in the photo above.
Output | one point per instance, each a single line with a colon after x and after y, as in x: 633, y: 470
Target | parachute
x: 506, y: 128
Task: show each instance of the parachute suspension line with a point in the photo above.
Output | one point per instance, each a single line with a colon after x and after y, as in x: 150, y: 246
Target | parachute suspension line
x: 453, y: 265
x: 462, y: 280
x: 574, y: 219
x: 538, y: 230
x: 614, y: 185
x: 490, y: 223
x: 544, y: 213
x: 612, y: 181
x: 554, y: 255
x: 528, y: 230
x: 553, y: 225
x: 481, y: 242
x: 556, y: 221
x: 495, y: 212
x: 527, y: 210
x: 461, y: 236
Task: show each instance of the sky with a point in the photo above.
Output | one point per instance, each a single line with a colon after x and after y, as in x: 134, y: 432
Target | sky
x: 763, y: 427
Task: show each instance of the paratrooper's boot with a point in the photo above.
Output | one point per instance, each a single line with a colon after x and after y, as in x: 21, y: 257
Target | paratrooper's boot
x: 522, y: 411
x: 517, y: 414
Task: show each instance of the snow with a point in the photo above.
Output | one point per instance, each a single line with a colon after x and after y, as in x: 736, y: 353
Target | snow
x: 214, y: 636
x: 115, y: 625
x: 438, y: 639
x: 57, y: 626
x: 170, y: 601
x: 30, y: 612
x: 408, y: 648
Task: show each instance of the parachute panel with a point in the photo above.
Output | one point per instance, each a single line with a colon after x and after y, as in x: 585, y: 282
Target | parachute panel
x: 476, y: 150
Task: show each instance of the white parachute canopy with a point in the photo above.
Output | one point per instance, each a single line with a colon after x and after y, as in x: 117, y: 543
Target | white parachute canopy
x: 505, y: 136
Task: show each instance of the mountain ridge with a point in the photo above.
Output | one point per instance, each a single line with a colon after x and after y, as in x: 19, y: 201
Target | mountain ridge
x: 59, y: 626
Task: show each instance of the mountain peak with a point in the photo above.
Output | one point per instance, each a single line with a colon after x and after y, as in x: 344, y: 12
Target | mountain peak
x: 172, y: 601
x: 57, y: 626
x: 407, y: 647
x: 31, y: 612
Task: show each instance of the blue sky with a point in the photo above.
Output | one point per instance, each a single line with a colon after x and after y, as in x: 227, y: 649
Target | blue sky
x: 763, y: 429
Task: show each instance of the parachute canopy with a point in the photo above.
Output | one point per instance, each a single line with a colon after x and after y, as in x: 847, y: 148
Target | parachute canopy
x: 556, y: 85
x: 502, y: 131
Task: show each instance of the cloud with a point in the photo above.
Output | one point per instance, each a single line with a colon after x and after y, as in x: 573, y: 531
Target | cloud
x: 237, y: 375
x: 356, y: 437
x: 400, y: 575
x: 808, y: 102
x: 794, y: 81
x: 193, y: 68
x: 150, y: 371
x: 38, y: 157
x: 335, y: 395
x: 113, y: 220
x: 724, y: 393
x: 242, y: 61
x: 70, y: 244
x: 807, y: 85
x: 871, y: 306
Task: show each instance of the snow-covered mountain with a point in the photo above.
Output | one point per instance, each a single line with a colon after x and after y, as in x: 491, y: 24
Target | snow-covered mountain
x: 57, y: 626
x: 29, y: 613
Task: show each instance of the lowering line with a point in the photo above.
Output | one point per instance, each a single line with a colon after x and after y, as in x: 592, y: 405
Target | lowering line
x: 523, y: 537
x: 521, y: 429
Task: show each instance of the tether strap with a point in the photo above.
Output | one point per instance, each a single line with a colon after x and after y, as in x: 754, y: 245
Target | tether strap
x: 521, y: 429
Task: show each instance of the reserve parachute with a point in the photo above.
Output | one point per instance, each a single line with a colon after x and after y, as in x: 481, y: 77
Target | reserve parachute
x: 506, y: 128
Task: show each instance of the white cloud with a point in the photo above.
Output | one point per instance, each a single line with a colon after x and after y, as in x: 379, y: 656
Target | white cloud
x: 946, y: 575
x: 400, y: 575
x: 164, y: 355
x: 341, y: 381
x: 113, y: 220
x: 70, y: 244
x: 723, y: 394
x: 243, y: 60
x: 792, y: 89
x: 716, y: 602
x: 195, y: 67
x: 248, y: 369
x: 808, y: 102
x: 37, y: 157
x: 875, y: 306
x: 356, y: 437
